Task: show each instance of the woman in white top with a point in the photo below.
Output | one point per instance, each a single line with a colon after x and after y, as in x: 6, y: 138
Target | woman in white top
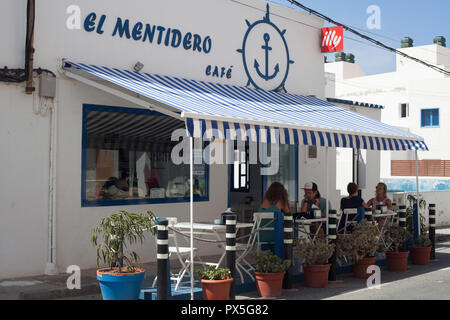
x: 380, y: 197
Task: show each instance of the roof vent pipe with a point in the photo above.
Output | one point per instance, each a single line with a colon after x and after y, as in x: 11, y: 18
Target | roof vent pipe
x: 340, y: 56
x: 407, y: 42
x: 349, y: 57
x: 440, y: 40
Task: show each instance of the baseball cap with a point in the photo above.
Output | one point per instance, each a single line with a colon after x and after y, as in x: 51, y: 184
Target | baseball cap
x: 310, y: 186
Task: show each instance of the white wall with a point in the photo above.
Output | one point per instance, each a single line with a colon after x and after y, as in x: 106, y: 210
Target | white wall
x: 24, y: 158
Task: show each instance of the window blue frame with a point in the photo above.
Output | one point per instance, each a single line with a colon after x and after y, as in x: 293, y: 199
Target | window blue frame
x: 86, y: 203
x: 429, y: 118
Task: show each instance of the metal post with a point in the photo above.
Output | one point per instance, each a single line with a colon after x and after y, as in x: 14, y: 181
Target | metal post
x: 288, y: 249
x: 402, y: 216
x: 417, y: 211
x: 163, y: 259
x: 432, y: 229
x: 332, y: 221
x: 368, y: 214
x: 231, y: 250
x: 191, y: 211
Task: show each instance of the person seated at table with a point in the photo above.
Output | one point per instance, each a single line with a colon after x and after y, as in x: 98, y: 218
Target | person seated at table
x: 276, y: 199
x: 380, y: 197
x: 313, y: 199
x: 353, y: 201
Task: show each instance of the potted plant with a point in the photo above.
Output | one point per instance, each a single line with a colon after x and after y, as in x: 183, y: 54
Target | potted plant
x: 412, y: 200
x: 121, y: 279
x: 420, y: 251
x: 269, y: 274
x: 397, y: 256
x: 216, y: 283
x: 360, y: 247
x: 315, y: 257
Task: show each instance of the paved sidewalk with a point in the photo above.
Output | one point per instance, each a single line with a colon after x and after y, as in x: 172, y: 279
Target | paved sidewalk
x: 44, y: 287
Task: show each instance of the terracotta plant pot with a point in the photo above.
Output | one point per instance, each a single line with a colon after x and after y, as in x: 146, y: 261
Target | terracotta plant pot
x: 269, y: 284
x: 360, y: 268
x: 216, y: 289
x: 420, y: 255
x: 397, y: 261
x: 316, y: 276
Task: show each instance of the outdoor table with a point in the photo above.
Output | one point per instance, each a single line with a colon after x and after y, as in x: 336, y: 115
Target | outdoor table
x: 208, y: 232
x: 302, y: 223
x: 382, y: 226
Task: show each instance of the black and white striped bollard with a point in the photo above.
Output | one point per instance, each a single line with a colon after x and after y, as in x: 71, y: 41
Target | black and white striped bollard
x: 432, y: 229
x: 368, y: 214
x: 332, y: 225
x: 288, y: 247
x: 163, y: 259
x: 231, y: 250
x: 402, y: 216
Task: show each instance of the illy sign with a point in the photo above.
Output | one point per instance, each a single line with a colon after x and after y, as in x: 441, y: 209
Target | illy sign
x: 332, y: 39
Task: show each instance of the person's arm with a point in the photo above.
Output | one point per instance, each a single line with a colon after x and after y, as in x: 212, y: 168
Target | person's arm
x: 304, y: 206
x: 370, y: 203
x: 389, y: 204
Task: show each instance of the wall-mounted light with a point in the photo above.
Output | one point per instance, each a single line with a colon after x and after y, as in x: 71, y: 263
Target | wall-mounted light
x: 138, y: 66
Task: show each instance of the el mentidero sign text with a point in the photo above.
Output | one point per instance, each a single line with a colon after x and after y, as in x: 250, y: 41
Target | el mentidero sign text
x: 150, y: 33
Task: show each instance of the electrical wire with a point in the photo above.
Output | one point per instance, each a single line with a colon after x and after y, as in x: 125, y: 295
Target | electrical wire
x: 374, y: 41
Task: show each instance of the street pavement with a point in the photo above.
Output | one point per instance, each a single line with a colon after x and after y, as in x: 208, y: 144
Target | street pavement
x: 431, y: 282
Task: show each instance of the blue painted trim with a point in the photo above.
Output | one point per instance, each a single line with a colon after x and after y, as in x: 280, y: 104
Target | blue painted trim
x: 278, y: 234
x: 86, y: 203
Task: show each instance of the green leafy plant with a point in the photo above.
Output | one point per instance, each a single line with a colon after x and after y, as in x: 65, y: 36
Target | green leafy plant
x: 397, y: 236
x: 361, y: 243
x: 270, y: 263
x: 313, y: 253
x: 410, y: 213
x: 211, y: 273
x: 422, y: 241
x: 114, y: 235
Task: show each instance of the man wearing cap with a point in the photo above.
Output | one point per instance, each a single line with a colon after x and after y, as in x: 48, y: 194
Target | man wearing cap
x: 313, y: 199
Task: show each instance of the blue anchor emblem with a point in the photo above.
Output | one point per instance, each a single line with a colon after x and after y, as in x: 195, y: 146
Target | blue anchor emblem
x: 267, y: 48
x: 261, y: 74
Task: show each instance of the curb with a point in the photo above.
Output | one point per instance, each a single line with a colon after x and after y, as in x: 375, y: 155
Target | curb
x: 59, y: 293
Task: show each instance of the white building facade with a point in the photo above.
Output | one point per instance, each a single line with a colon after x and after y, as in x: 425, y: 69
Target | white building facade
x: 46, y: 214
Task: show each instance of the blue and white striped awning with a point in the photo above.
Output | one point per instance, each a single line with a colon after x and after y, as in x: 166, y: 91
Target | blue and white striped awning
x: 219, y: 111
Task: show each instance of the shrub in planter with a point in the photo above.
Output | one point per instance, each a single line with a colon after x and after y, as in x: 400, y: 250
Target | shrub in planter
x: 269, y: 273
x: 216, y: 283
x: 121, y: 279
x: 397, y: 255
x: 360, y: 247
x: 420, y: 251
x: 315, y: 257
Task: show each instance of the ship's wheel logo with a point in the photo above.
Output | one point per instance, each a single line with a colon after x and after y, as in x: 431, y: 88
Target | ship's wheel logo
x: 265, y: 55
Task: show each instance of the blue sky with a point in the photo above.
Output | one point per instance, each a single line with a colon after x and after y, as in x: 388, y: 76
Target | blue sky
x: 420, y: 20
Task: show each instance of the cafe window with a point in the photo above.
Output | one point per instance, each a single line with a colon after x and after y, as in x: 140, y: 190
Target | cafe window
x: 127, y: 159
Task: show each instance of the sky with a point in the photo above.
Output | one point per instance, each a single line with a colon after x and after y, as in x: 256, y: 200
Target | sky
x: 420, y: 20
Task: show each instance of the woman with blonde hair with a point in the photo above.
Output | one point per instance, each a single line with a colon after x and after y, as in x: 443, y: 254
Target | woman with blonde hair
x: 380, y: 197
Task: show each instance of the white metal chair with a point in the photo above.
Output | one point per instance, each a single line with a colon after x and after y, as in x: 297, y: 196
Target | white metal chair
x: 242, y: 263
x: 181, y: 253
x: 348, y: 220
